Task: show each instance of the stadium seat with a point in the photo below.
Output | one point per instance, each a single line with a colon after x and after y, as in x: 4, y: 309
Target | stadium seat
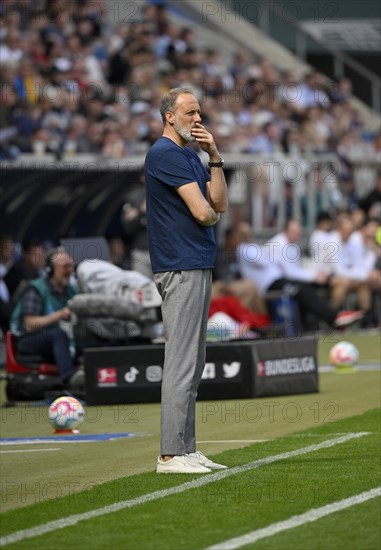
x: 17, y: 363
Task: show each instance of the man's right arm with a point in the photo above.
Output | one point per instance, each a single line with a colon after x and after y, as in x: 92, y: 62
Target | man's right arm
x: 198, y: 205
x: 31, y: 312
x: 38, y: 322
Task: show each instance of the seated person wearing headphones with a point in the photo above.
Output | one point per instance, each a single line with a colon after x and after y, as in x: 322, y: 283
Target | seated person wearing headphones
x: 38, y: 314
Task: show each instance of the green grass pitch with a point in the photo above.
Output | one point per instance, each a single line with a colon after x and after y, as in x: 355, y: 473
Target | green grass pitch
x: 326, y: 448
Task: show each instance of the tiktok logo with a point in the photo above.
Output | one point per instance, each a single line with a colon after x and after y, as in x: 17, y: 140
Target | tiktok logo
x: 131, y: 375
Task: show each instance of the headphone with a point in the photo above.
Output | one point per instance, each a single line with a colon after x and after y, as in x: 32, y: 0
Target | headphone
x: 50, y: 260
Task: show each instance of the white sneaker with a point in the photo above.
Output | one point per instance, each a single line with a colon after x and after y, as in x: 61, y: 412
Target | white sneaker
x: 199, y: 457
x: 180, y: 464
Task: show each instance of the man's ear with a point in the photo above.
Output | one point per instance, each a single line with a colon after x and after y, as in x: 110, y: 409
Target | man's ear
x: 170, y: 117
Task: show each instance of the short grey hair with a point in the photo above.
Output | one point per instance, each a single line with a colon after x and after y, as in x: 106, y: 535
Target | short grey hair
x: 168, y: 102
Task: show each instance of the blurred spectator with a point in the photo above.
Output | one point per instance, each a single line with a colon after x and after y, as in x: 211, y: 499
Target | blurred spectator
x: 6, y: 261
x: 318, y: 245
x: 374, y: 211
x: 350, y: 201
x: 358, y: 218
x: 40, y: 142
x: 76, y: 49
x: 311, y: 93
x: 75, y: 80
x: 286, y: 201
x: 227, y: 276
x: 267, y: 141
x: 118, y: 252
x: 376, y: 145
x: 119, y: 68
x: 39, y: 313
x: 113, y: 144
x: 352, y: 261
x: 10, y: 51
x: 316, y: 128
x: 369, y: 254
x: 134, y: 223
x: 327, y: 249
x: 343, y: 90
x: 28, y: 267
x: 325, y: 191
x: 76, y: 140
x: 276, y: 266
x: 28, y: 82
x: 8, y: 129
x: 373, y: 197
x: 262, y: 208
x: 241, y: 61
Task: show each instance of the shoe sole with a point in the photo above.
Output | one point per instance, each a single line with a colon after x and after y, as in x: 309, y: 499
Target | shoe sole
x: 206, y: 471
x: 208, y: 463
x: 349, y: 320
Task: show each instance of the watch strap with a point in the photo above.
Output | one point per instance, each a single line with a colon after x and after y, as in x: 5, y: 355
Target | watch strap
x: 218, y: 164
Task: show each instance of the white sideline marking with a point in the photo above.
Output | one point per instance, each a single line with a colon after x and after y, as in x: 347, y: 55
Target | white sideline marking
x: 336, y: 434
x: 235, y: 441
x: 194, y: 484
x: 29, y: 451
x: 357, y: 368
x: 295, y: 521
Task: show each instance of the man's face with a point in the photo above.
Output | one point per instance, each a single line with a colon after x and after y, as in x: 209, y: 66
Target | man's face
x: 6, y: 251
x: 294, y: 232
x: 370, y: 231
x: 63, y: 268
x: 346, y: 228
x: 36, y: 257
x: 186, y: 115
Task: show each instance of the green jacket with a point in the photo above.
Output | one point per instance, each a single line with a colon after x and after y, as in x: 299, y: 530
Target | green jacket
x: 51, y: 302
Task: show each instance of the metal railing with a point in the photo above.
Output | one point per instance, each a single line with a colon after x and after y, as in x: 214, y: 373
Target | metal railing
x: 87, y: 190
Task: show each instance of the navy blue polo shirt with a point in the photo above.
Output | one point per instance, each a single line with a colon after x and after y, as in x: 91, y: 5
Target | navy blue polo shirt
x: 176, y: 240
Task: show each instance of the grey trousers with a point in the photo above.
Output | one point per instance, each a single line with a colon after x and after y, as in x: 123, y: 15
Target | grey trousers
x: 186, y: 300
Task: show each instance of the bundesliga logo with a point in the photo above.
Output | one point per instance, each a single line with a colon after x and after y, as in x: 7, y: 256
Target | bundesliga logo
x: 292, y: 365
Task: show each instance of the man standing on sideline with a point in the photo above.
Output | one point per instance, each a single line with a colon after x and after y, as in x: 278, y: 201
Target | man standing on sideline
x: 184, y: 203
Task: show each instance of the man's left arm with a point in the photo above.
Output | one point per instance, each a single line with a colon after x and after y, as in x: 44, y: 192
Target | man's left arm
x: 216, y: 188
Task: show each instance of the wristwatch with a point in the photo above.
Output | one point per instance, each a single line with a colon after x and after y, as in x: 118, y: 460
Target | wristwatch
x: 219, y: 164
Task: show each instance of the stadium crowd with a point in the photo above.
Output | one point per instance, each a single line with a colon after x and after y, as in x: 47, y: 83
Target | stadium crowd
x: 75, y: 79
x: 78, y: 80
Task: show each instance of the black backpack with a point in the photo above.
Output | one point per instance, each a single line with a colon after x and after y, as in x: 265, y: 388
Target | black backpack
x: 32, y: 386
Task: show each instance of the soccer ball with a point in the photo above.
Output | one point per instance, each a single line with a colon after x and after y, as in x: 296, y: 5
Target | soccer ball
x: 66, y: 413
x: 343, y: 355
